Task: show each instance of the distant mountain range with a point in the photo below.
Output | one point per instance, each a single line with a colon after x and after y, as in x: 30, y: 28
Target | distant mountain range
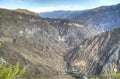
x: 105, y: 17
x: 61, y: 14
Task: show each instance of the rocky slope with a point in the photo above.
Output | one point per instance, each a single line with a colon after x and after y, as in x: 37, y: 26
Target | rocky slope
x: 73, y: 33
x: 98, y: 54
x: 40, y: 44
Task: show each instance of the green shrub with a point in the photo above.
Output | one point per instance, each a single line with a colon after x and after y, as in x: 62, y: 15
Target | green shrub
x: 11, y: 72
x: 108, y: 76
x: 0, y: 44
x: 111, y: 75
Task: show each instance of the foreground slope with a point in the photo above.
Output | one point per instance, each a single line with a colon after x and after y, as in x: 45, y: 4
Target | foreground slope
x: 40, y: 44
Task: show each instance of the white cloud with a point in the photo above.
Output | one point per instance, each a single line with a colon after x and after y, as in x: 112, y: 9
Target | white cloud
x: 109, y: 2
x: 48, y: 9
x: 44, y: 9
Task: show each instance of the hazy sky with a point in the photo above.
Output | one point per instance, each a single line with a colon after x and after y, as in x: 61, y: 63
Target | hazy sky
x: 50, y: 5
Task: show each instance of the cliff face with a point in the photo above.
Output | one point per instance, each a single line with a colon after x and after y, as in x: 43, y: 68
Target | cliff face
x: 40, y: 44
x: 100, y: 53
